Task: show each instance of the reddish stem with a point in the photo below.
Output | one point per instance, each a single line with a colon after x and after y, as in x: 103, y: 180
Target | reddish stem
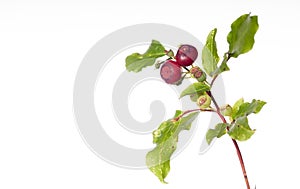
x: 213, y: 80
x: 241, y: 162
x: 233, y: 140
x: 194, y: 110
x: 186, y: 68
x: 226, y: 58
x: 224, y: 121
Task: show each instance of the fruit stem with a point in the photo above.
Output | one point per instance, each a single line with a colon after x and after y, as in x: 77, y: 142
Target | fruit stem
x: 239, y: 154
x: 186, y: 68
x: 214, y: 101
x: 194, y: 110
x: 226, y: 58
x: 213, y: 80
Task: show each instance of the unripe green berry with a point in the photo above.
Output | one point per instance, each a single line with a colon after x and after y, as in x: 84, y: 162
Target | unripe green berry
x: 198, y: 74
x: 204, y: 101
x: 202, y: 77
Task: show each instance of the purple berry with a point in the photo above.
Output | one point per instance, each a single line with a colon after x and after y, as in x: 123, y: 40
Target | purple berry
x: 170, y: 72
x: 186, y: 55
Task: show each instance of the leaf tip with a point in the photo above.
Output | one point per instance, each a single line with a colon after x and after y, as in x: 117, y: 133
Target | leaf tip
x: 163, y: 181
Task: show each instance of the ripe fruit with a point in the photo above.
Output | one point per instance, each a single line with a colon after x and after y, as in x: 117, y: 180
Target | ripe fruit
x: 186, y: 55
x: 170, y: 72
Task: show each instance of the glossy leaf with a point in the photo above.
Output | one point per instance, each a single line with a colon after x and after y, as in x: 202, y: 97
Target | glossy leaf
x: 197, y: 87
x: 218, y: 132
x: 136, y: 62
x: 210, y: 57
x: 240, y: 130
x: 241, y: 36
x: 166, y: 138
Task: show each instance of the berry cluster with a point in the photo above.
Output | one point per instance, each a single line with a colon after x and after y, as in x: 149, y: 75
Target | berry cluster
x: 171, y: 70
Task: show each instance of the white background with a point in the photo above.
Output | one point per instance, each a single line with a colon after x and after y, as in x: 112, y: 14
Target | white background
x: 42, y: 45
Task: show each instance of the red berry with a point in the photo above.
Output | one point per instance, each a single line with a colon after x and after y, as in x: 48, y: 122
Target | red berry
x: 170, y: 72
x: 186, y: 55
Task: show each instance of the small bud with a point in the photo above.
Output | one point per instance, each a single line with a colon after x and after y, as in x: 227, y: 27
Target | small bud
x: 204, y: 101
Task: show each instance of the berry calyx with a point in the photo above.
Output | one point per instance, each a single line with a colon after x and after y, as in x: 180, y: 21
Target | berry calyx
x: 204, y: 101
x: 195, y: 69
x: 170, y: 72
x: 198, y: 74
x: 186, y: 55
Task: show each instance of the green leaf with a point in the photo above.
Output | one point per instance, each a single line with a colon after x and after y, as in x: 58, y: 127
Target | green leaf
x: 226, y: 110
x: 219, y: 131
x: 241, y: 36
x: 210, y: 57
x: 245, y: 108
x: 236, y: 106
x: 240, y: 130
x: 194, y: 97
x: 166, y: 138
x: 158, y: 160
x: 185, y: 123
x: 163, y: 131
x: 177, y: 113
x: 197, y: 87
x: 223, y: 67
x: 136, y: 62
